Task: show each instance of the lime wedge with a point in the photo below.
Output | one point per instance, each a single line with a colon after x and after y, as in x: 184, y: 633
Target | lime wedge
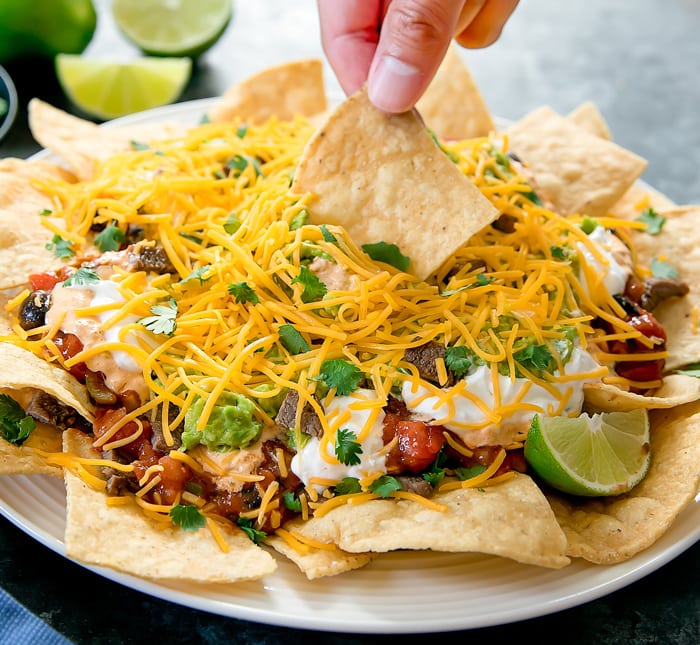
x: 172, y: 27
x: 108, y: 89
x: 601, y: 454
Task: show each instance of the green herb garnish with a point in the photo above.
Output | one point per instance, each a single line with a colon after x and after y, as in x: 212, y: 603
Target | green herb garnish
x: 347, y: 448
x: 187, y: 517
x: 163, y: 319
x: 15, y: 424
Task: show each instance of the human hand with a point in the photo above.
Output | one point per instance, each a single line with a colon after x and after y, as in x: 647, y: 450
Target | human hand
x: 396, y: 46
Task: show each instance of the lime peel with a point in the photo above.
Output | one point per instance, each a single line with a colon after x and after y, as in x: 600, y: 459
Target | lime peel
x: 603, y: 454
x: 172, y: 27
x: 108, y: 89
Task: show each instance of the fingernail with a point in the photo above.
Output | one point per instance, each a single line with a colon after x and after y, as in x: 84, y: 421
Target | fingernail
x: 393, y: 84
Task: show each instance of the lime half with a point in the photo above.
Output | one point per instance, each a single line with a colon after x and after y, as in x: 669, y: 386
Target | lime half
x: 108, y: 89
x: 172, y: 27
x: 590, y: 455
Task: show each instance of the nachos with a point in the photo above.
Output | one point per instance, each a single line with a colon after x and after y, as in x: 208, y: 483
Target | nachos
x: 330, y: 333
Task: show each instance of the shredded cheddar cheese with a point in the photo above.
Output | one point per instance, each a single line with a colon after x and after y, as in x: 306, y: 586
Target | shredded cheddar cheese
x: 223, y: 225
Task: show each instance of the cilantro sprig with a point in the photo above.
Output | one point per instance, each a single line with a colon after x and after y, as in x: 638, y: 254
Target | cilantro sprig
x: 243, y: 293
x: 246, y: 524
x: 458, y: 360
x: 15, y: 424
x: 347, y: 448
x: 653, y: 220
x: 163, y: 320
x: 61, y: 248
x: 82, y: 277
x: 110, y: 238
x: 340, y: 374
x: 313, y: 288
x: 187, y: 517
x: 387, y: 253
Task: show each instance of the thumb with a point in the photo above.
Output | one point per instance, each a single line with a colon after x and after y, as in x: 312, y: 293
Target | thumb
x: 414, y: 37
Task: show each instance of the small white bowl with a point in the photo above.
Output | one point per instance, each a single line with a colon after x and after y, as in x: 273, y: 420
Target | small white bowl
x: 9, y: 94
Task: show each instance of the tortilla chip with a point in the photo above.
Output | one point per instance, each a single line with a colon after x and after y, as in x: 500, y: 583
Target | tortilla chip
x: 677, y: 389
x: 511, y: 519
x: 383, y: 178
x: 23, y: 460
x: 24, y: 373
x: 21, y: 369
x: 318, y: 563
x: 587, y: 116
x: 95, y: 535
x: 452, y: 106
x: 678, y: 245
x: 637, y: 199
x: 577, y: 171
x: 81, y: 143
x: 284, y: 91
x: 610, y: 530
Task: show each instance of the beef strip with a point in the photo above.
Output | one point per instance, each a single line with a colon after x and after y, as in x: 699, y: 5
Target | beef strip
x: 286, y: 417
x: 158, y: 438
x: 424, y: 358
x: 46, y: 409
x: 656, y: 290
x: 415, y: 484
x: 152, y: 259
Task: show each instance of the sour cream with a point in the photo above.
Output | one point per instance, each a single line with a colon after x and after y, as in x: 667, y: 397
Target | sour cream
x: 119, y: 368
x: 477, y: 428
x: 310, y: 462
x: 617, y: 269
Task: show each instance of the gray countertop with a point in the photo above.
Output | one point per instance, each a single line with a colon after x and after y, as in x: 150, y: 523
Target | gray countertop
x: 639, y: 62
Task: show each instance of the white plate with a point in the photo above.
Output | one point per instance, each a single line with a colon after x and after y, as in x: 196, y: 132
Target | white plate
x: 413, y: 592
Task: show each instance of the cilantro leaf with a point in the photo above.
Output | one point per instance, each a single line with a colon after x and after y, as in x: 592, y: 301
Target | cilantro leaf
x: 347, y: 449
x: 243, y: 292
x: 138, y: 145
x: 387, y: 253
x: 292, y: 340
x: 435, y: 476
x: 110, y: 238
x: 482, y: 280
x: 538, y: 357
x: 385, y: 485
x: 61, y: 248
x: 256, y: 536
x: 291, y: 501
x: 198, y: 274
x: 163, y: 319
x: 187, y: 517
x: 232, y: 223
x: 457, y: 360
x: 340, y: 374
x: 83, y: 276
x: 653, y: 220
x: 660, y: 269
x: 242, y: 130
x: 347, y: 486
x: 690, y: 370
x: 557, y: 252
x: 15, y: 424
x: 313, y: 287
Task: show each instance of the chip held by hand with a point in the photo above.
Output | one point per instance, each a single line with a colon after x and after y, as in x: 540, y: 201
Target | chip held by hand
x: 382, y: 177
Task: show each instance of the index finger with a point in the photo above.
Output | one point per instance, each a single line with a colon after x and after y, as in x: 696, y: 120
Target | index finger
x: 349, y: 34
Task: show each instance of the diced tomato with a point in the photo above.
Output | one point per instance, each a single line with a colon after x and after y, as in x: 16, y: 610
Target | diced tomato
x: 106, y: 418
x: 43, y: 281
x: 69, y: 345
x: 417, y: 446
